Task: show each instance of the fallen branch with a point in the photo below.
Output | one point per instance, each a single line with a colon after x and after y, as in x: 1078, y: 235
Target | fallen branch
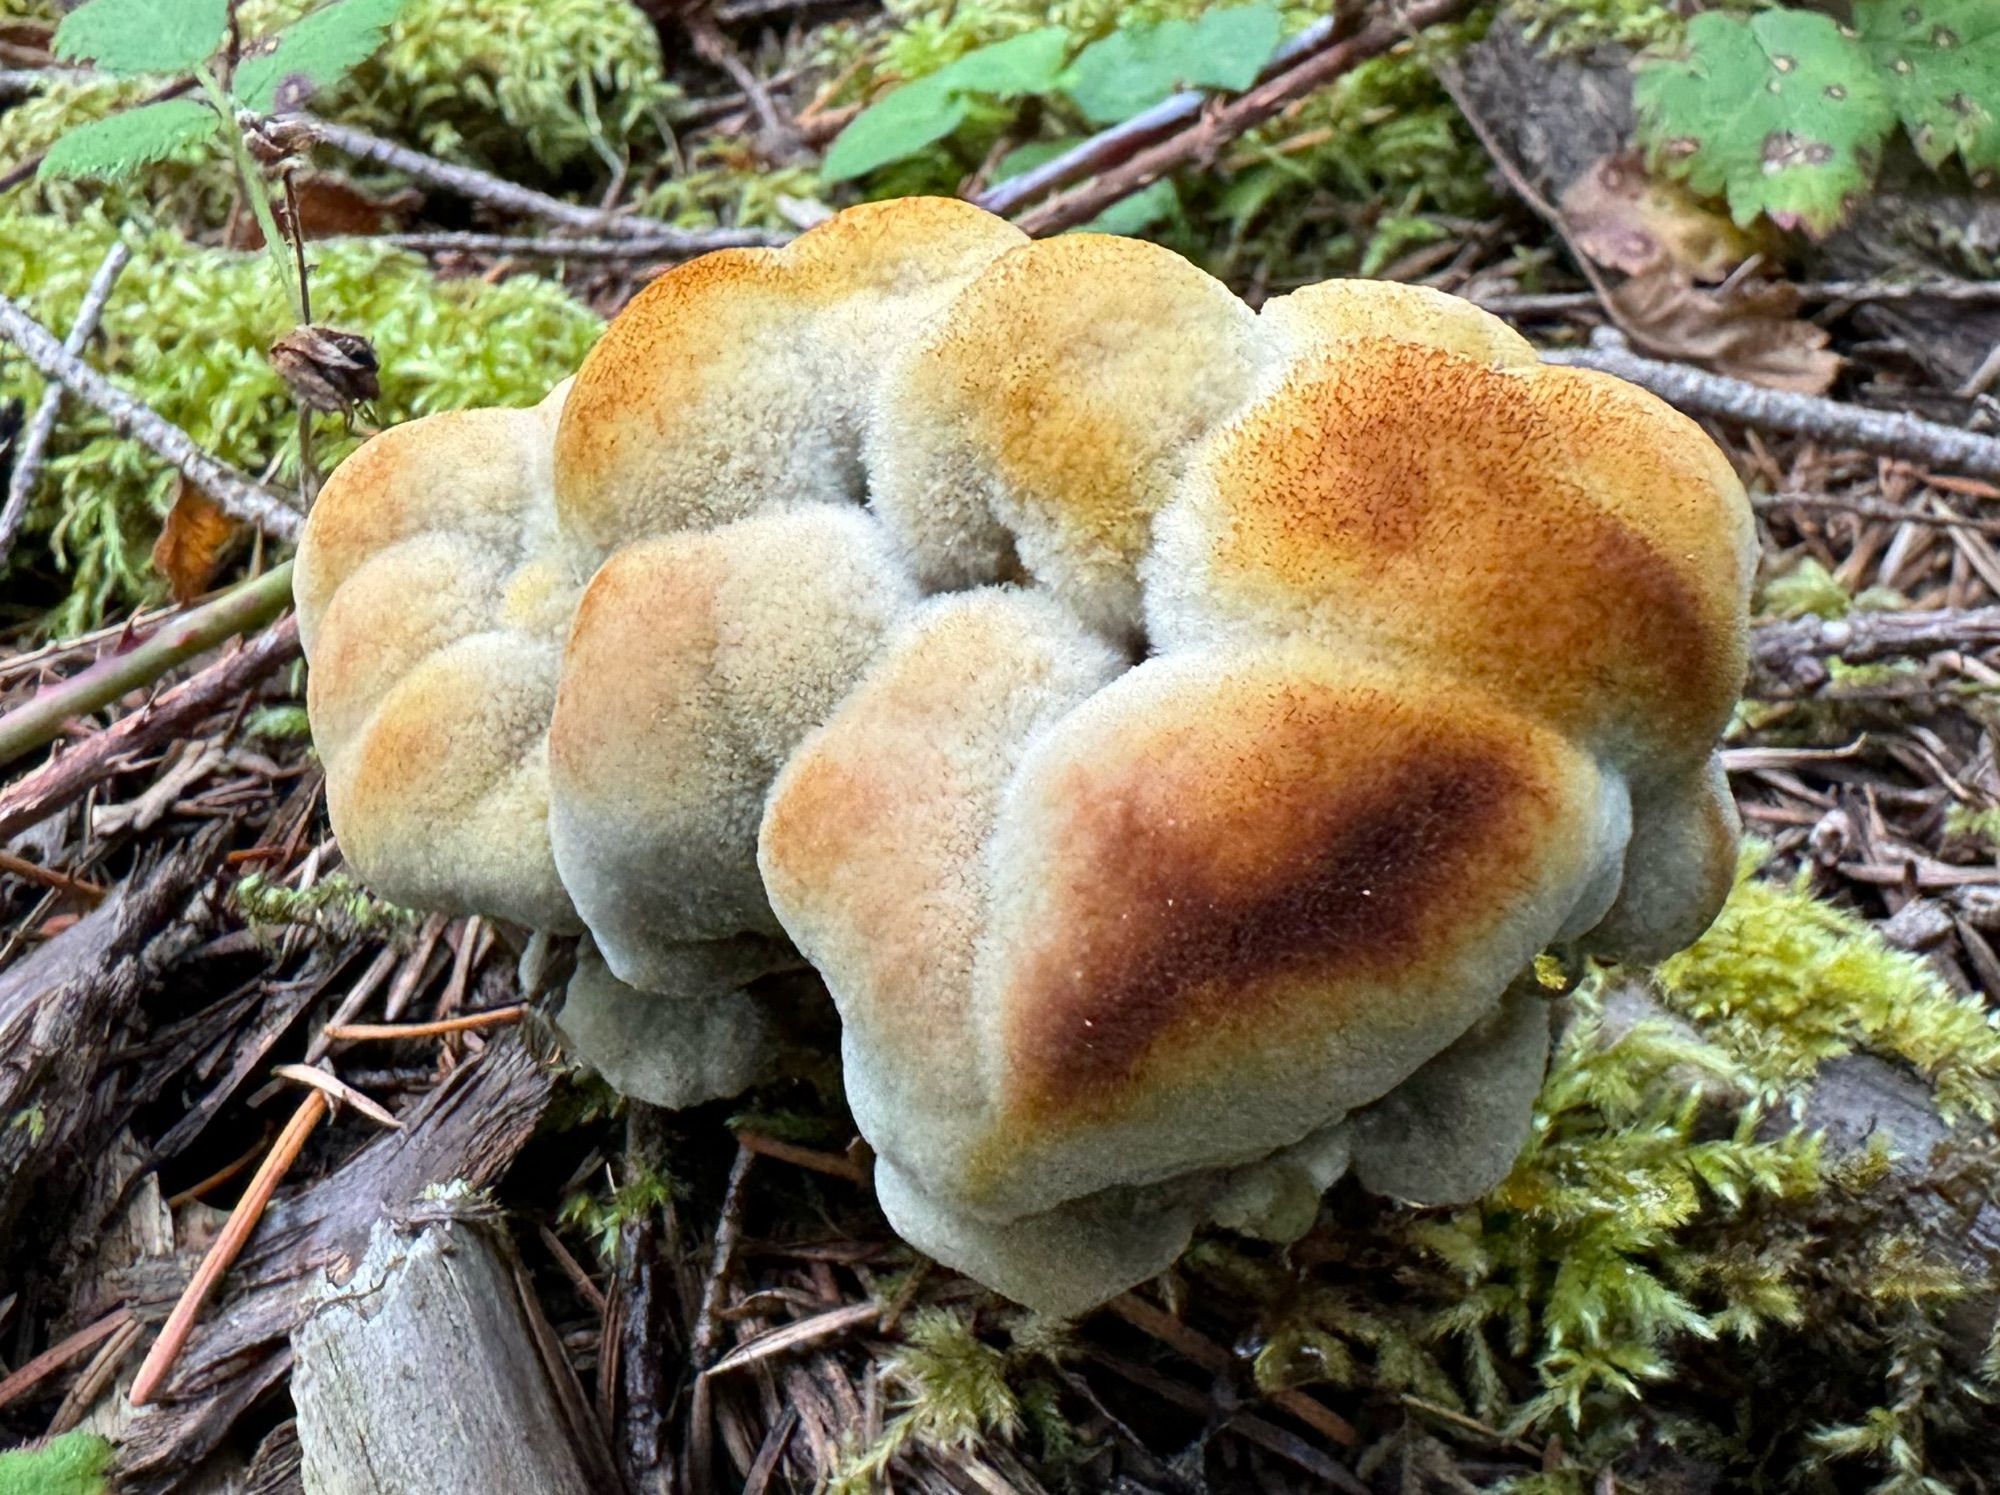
x: 249, y: 605
x: 1884, y: 432
x: 68, y: 776
x: 28, y: 458
x: 1109, y: 146
x: 1787, y: 657
x: 1813, y: 292
x: 523, y: 202
x: 633, y: 247
x: 1211, y: 131
x: 237, y: 494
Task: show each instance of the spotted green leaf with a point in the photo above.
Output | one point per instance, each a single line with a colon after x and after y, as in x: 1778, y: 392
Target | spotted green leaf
x: 1940, y: 60
x: 313, y: 52
x: 1783, y: 115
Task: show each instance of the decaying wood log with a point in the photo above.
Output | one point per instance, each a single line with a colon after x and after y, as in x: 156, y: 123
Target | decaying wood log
x: 470, y: 1128
x: 422, y: 1371
x: 62, y: 1005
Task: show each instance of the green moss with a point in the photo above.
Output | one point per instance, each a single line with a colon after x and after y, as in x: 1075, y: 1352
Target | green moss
x: 1564, y: 26
x: 187, y: 331
x: 953, y: 1393
x: 1785, y: 981
x: 335, y: 905
x: 505, y: 84
x: 600, y: 1218
x: 77, y: 1463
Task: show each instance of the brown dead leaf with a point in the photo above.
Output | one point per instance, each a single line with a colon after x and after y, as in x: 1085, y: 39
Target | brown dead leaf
x: 1749, y: 331
x: 327, y: 369
x: 331, y: 205
x: 191, y: 544
x: 1623, y: 218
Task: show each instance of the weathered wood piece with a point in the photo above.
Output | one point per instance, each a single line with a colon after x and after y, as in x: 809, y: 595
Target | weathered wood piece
x: 63, y: 1005
x: 421, y: 1371
x: 469, y: 1128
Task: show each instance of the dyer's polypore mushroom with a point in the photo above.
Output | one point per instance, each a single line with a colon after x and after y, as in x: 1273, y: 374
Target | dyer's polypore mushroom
x: 1434, y: 644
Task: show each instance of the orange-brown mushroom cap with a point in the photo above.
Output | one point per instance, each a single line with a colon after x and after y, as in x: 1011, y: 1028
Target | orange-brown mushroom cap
x: 738, y: 380
x: 432, y: 612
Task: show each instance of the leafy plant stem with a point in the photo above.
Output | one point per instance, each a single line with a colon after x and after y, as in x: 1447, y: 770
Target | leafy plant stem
x: 254, y: 190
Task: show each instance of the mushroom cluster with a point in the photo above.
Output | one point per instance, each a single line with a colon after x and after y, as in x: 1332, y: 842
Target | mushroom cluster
x: 1172, y: 731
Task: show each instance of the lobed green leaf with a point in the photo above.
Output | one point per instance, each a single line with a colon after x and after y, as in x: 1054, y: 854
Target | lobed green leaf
x: 1783, y: 114
x: 143, y: 36
x: 1940, y: 61
x: 1137, y: 66
x: 106, y: 149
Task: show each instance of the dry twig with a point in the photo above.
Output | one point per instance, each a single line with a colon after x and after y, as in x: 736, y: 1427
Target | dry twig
x: 494, y: 1017
x: 1889, y: 433
x: 1787, y: 658
x: 523, y: 202
x: 28, y: 456
x: 238, y: 495
x: 66, y: 777
x: 1211, y: 131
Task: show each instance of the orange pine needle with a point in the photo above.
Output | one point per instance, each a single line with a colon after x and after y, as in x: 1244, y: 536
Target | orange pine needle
x: 493, y: 1017
x: 221, y: 1255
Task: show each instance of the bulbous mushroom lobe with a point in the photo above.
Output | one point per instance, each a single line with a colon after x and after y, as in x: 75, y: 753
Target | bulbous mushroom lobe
x: 432, y: 613
x: 696, y: 664
x: 1045, y: 417
x: 739, y: 379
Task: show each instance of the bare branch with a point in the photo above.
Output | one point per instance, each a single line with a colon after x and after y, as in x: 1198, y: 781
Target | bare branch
x: 28, y: 460
x: 1786, y: 658
x: 1110, y: 146
x: 1211, y: 131
x: 237, y: 494
x: 1887, y: 433
x: 525, y: 202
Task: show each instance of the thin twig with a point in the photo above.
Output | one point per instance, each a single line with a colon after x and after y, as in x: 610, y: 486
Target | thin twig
x: 238, y: 495
x: 1888, y: 433
x: 636, y: 247
x: 69, y: 775
x: 28, y: 458
x: 494, y: 1017
x: 1816, y: 292
x: 1214, y: 129
x: 524, y: 202
x: 248, y: 605
x: 1787, y: 655
x: 222, y: 1254
x: 56, y: 1356
x: 1107, y: 147
x: 728, y: 1230
x: 1865, y: 508
x: 835, y: 1164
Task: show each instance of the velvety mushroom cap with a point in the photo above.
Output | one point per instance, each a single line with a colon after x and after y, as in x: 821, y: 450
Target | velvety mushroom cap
x: 432, y: 610
x: 738, y: 380
x: 696, y: 663
x: 1046, y: 417
x: 1088, y: 940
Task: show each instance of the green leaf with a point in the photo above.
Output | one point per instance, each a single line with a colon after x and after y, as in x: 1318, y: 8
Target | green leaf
x: 900, y: 125
x: 921, y: 113
x: 74, y: 1464
x: 1783, y: 115
x: 1136, y: 66
x: 1139, y: 212
x: 123, y: 142
x: 313, y: 52
x: 1029, y: 63
x: 1940, y: 60
x: 143, y: 36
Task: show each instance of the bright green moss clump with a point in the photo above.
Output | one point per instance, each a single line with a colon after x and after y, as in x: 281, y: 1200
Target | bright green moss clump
x: 187, y: 331
x: 1785, y: 982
